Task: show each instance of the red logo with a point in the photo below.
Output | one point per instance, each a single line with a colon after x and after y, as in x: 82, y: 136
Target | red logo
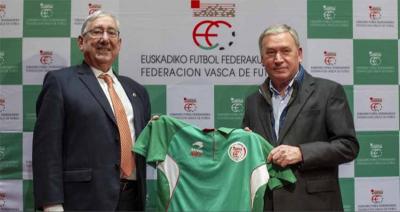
x: 376, y: 196
x: 189, y: 105
x: 329, y: 58
x: 46, y: 57
x: 375, y: 104
x: 375, y: 12
x: 206, y: 27
x: 2, y: 199
x: 93, y: 8
x: 2, y: 11
x: 2, y: 103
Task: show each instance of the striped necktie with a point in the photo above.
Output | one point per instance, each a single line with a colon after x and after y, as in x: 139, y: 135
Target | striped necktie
x: 127, y: 159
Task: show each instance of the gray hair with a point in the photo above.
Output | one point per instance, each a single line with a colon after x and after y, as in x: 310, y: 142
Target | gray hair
x: 277, y: 29
x: 98, y: 14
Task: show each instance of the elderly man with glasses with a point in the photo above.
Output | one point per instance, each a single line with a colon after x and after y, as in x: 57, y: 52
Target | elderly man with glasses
x: 87, y: 120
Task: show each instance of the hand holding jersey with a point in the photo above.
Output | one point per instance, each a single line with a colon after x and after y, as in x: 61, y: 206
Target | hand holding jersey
x: 284, y: 155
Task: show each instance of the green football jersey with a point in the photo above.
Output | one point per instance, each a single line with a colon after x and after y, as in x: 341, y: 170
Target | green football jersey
x: 208, y: 170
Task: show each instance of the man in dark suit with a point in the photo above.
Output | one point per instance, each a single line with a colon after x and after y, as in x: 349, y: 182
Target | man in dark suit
x: 307, y: 119
x: 77, y: 141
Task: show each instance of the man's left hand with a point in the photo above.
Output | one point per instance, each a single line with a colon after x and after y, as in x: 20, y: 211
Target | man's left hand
x: 284, y: 155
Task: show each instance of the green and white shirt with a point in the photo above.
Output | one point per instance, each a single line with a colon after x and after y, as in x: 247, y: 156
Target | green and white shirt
x: 208, y: 170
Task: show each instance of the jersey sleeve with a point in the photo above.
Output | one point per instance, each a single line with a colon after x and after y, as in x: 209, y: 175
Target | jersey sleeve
x: 278, y: 176
x: 154, y: 140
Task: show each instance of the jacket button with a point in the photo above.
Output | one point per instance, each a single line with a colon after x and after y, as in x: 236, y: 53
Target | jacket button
x: 116, y: 166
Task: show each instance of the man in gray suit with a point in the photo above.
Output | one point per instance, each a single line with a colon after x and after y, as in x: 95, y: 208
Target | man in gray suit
x: 307, y: 119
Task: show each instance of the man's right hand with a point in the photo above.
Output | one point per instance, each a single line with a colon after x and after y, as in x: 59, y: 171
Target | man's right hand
x: 154, y: 118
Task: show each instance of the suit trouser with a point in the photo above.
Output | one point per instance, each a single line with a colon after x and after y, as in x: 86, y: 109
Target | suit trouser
x: 129, y: 198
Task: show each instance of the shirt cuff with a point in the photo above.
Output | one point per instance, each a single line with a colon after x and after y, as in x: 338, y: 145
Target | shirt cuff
x: 50, y: 208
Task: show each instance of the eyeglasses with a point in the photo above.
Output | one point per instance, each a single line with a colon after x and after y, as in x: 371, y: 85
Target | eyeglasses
x: 98, y: 33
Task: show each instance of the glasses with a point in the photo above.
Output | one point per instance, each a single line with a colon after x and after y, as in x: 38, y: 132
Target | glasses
x: 98, y: 33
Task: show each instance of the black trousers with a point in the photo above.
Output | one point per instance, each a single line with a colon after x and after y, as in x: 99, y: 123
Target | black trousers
x: 129, y: 199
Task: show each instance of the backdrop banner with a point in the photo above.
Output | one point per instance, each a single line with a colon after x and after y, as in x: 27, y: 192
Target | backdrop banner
x: 199, y: 59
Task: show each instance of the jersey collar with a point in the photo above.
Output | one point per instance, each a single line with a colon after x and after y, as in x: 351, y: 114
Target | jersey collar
x: 225, y: 130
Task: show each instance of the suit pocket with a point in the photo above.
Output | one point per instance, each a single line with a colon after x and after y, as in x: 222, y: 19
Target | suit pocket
x: 80, y: 175
x: 314, y: 186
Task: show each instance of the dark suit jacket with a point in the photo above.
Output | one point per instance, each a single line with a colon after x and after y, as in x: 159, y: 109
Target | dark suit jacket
x: 76, y: 149
x: 319, y: 121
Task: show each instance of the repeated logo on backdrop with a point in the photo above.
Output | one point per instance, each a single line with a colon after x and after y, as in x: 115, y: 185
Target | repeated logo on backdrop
x: 2, y: 152
x: 46, y: 57
x: 189, y: 104
x: 237, y: 105
x: 3, y: 196
x: 2, y: 11
x: 46, y: 10
x: 375, y: 58
x: 2, y: 103
x: 375, y: 12
x: 93, y: 8
x: 329, y: 58
x: 376, y: 196
x: 376, y: 150
x: 329, y: 12
x: 2, y: 57
x: 376, y: 104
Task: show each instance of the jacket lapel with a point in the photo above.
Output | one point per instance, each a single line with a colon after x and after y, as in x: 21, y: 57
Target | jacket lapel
x: 87, y: 76
x: 266, y: 111
x: 299, y: 97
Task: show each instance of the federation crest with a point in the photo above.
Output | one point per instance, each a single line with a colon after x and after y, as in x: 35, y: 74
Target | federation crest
x: 237, y: 151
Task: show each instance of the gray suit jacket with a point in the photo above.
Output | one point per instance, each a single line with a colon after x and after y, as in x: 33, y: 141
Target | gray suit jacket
x: 76, y: 149
x: 319, y: 121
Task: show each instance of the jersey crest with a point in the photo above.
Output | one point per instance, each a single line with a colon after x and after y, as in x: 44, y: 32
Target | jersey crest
x: 237, y: 151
